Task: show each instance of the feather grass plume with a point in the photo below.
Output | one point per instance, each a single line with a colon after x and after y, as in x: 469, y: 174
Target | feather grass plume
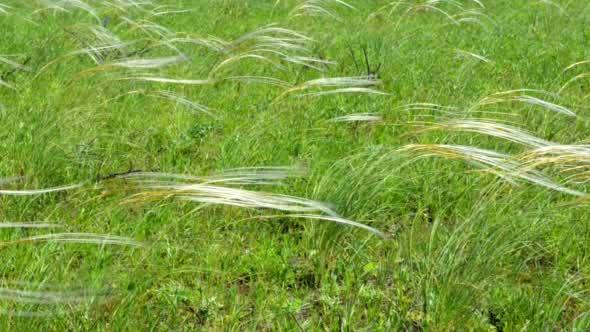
x: 490, y: 128
x: 326, y: 8
x: 220, y: 190
x: 496, y: 163
x: 522, y: 96
x: 358, y: 117
x: 337, y: 85
x: 30, y: 192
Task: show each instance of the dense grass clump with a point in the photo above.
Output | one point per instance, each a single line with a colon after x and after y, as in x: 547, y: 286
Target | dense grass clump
x: 294, y: 165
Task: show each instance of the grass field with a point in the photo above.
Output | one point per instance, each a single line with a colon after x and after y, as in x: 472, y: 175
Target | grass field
x: 294, y: 165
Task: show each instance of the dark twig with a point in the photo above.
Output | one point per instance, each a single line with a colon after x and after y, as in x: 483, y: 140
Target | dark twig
x: 14, y: 70
x: 111, y: 176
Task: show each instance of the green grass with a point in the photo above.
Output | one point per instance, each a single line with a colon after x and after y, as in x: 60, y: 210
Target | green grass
x: 467, y: 247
